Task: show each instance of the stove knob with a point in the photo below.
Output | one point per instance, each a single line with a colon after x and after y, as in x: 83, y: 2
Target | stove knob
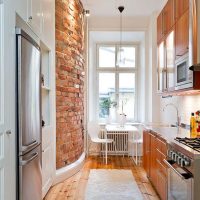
x: 179, y: 160
x: 170, y: 153
x: 174, y: 155
x: 177, y: 156
x: 182, y: 162
x: 187, y: 162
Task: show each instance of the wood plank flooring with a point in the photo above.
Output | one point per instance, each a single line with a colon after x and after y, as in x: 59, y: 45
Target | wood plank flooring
x: 74, y: 187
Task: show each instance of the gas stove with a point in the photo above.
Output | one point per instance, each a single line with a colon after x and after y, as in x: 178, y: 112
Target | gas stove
x: 193, y: 143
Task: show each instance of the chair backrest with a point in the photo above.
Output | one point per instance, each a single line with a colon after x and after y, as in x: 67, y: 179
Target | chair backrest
x: 93, y: 129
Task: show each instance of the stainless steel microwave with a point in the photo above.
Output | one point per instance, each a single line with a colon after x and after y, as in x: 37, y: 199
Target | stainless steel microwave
x: 183, y: 75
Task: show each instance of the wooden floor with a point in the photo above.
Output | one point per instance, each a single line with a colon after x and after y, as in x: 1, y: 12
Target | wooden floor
x: 74, y: 187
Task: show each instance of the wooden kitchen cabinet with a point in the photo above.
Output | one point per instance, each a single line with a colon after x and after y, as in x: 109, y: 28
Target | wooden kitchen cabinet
x: 165, y: 20
x: 180, y: 7
x: 162, y: 185
x: 173, y: 43
x: 182, y: 35
x: 153, y: 167
x: 146, y: 152
x: 161, y: 154
x: 168, y: 16
x: 155, y: 151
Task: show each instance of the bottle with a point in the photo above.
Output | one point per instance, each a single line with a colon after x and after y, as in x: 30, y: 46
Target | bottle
x: 198, y: 122
x: 193, y: 125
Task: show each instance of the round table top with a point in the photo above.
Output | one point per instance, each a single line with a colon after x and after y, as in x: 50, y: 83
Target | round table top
x: 118, y: 128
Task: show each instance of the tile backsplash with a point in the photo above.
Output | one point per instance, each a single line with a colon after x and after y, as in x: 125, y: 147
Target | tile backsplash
x: 185, y: 105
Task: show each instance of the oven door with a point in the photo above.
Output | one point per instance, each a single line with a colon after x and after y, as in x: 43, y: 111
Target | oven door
x: 180, y: 182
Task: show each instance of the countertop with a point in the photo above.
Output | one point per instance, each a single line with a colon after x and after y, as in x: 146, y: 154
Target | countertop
x: 170, y: 133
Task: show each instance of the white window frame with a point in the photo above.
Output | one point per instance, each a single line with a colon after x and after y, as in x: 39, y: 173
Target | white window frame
x: 117, y: 70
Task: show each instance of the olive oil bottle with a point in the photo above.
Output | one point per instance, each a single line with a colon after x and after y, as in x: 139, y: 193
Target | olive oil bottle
x: 193, y: 126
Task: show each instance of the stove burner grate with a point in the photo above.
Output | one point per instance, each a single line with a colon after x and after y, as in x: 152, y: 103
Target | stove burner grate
x: 193, y: 143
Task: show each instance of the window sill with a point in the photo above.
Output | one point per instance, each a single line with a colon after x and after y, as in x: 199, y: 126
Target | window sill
x: 128, y: 123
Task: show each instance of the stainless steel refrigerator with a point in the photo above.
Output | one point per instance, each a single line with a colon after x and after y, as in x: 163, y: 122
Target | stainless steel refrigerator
x: 29, y: 117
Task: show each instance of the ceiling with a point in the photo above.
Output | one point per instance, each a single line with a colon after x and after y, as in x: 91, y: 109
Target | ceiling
x: 132, y: 7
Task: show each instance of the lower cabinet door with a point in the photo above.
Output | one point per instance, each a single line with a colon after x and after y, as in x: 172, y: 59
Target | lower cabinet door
x: 162, y: 185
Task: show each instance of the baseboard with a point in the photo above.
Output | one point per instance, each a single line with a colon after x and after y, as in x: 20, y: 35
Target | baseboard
x: 68, y: 171
x: 46, y: 187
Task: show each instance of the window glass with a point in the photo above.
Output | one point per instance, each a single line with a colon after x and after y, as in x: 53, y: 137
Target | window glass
x: 106, y: 94
x: 126, y: 57
x: 127, y: 94
x: 106, y: 56
x: 116, y: 82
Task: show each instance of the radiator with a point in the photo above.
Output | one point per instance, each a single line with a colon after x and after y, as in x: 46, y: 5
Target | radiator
x: 120, y: 144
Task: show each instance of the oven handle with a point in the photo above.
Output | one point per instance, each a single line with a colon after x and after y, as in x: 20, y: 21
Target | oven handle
x: 178, y: 173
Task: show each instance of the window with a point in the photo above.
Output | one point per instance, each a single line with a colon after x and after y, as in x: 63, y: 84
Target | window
x: 116, y: 81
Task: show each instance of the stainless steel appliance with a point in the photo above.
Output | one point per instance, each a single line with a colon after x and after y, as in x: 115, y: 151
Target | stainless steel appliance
x: 183, y: 75
x: 29, y: 117
x: 183, y: 169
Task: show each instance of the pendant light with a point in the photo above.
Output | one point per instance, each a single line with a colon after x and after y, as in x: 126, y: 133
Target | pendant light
x: 119, y: 58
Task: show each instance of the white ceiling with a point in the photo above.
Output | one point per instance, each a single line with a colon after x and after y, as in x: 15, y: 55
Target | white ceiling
x: 132, y: 7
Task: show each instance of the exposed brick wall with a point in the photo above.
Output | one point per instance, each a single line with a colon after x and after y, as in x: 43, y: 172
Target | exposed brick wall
x: 69, y: 68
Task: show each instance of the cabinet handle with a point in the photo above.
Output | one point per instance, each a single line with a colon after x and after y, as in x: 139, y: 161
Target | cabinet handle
x: 8, y: 132
x: 30, y: 18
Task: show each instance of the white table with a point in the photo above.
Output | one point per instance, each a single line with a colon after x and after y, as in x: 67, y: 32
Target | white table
x: 118, y: 128
x: 121, y: 137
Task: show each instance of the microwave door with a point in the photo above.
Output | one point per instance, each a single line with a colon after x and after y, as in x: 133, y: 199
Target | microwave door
x: 28, y: 94
x: 181, y: 73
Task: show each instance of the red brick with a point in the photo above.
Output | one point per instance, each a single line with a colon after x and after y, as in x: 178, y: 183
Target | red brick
x: 69, y: 67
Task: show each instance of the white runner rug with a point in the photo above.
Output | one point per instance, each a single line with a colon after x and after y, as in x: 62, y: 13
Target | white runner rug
x: 112, y: 185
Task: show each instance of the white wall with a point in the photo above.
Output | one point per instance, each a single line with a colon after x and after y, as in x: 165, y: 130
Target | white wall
x: 185, y: 104
x: 153, y: 99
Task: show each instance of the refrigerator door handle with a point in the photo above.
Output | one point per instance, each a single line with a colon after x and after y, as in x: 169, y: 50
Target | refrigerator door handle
x: 34, y: 143
x: 25, y: 162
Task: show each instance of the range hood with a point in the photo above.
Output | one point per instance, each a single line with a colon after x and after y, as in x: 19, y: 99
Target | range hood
x: 194, y: 35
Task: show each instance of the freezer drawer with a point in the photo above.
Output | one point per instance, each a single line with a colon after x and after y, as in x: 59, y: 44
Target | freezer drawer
x: 29, y: 97
x: 30, y: 175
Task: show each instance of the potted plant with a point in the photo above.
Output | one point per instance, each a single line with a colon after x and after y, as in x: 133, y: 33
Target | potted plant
x: 105, y: 106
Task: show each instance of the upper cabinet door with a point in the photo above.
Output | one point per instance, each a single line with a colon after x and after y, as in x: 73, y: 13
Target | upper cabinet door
x: 170, y: 60
x: 35, y: 15
x: 181, y: 6
x: 168, y: 16
x: 182, y: 35
x: 48, y: 21
x: 21, y: 9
